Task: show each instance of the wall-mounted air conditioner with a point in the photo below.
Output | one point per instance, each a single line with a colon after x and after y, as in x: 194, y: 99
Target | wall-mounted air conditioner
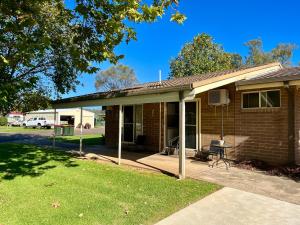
x: 218, y: 97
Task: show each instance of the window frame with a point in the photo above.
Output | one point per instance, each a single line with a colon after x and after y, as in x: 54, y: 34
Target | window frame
x: 259, y: 98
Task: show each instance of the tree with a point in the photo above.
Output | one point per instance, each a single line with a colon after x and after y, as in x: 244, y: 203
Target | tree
x: 115, y: 77
x: 202, y: 56
x: 45, y: 44
x: 282, y: 53
x: 32, y: 101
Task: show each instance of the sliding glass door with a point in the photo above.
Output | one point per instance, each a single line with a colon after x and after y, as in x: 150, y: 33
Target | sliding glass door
x: 128, y: 124
x: 191, y: 120
x: 133, y: 122
x: 191, y: 125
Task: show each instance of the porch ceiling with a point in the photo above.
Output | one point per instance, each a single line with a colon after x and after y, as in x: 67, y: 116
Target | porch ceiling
x: 128, y: 100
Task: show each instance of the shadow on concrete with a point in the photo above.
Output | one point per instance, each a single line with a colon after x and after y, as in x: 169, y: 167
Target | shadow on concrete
x: 109, y: 153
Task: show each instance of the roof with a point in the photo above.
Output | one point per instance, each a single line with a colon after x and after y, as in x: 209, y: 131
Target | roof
x: 15, y: 113
x: 181, y: 83
x: 285, y: 74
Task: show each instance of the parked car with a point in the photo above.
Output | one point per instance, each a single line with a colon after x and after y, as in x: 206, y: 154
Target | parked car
x: 16, y: 123
x: 38, y: 122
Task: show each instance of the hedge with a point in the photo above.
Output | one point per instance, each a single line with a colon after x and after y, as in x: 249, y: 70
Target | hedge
x: 3, y: 121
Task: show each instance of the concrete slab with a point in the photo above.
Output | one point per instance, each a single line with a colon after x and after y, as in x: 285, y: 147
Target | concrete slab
x: 230, y: 206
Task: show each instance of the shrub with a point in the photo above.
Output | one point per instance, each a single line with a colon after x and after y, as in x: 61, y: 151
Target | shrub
x: 3, y: 121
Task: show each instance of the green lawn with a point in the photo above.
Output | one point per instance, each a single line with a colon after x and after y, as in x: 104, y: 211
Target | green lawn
x: 88, y: 139
x: 5, y: 129
x: 39, y: 186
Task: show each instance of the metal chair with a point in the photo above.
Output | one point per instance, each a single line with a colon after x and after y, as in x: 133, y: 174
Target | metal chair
x: 173, y: 146
x: 212, y: 149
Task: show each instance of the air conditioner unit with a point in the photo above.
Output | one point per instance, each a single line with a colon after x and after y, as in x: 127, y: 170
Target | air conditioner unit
x: 218, y: 97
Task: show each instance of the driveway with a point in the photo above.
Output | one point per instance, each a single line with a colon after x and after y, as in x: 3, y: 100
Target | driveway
x: 10, y: 137
x: 230, y: 206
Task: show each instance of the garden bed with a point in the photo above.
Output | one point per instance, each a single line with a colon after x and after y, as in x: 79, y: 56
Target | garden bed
x: 291, y: 171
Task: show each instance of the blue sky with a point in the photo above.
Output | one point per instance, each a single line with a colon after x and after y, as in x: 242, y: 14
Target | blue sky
x: 231, y: 23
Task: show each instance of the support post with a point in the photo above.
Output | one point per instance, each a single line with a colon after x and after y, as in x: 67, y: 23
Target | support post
x: 159, y: 141
x: 222, y: 123
x: 54, y: 134
x: 120, y: 134
x: 181, y: 137
x: 81, y: 127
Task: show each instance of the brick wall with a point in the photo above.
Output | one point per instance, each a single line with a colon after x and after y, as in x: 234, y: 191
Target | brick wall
x: 254, y: 133
x: 262, y: 133
x: 111, y: 126
x: 297, y: 126
x: 151, y: 125
x: 211, y: 120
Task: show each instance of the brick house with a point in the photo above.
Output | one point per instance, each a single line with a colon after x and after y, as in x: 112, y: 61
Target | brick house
x: 260, y: 117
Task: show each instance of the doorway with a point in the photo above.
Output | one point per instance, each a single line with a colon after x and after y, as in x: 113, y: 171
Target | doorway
x: 132, y: 122
x: 191, y: 123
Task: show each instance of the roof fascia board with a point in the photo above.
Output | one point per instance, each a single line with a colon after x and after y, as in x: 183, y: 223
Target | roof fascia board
x: 129, y: 100
x: 259, y: 86
x: 235, y: 77
x: 294, y: 82
x: 242, y: 74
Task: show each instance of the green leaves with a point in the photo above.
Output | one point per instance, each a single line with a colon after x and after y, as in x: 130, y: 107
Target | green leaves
x: 281, y: 53
x: 178, y: 17
x: 202, y: 55
x: 43, y: 42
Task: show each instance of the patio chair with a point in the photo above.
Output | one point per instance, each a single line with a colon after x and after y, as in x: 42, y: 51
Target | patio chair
x: 173, y: 146
x: 212, y: 150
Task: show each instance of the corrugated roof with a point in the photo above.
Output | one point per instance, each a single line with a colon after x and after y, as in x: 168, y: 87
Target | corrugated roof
x: 186, y: 83
x: 180, y: 83
x: 285, y: 74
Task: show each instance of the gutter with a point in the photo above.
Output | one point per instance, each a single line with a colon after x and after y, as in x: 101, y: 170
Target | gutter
x: 125, y: 94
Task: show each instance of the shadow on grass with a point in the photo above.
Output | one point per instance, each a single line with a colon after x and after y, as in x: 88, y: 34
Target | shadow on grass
x: 29, y: 160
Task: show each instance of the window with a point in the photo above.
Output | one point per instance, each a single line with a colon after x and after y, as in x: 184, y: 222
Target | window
x: 251, y: 100
x: 261, y: 99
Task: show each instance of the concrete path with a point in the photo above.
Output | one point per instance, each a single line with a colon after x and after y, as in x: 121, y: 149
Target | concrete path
x: 230, y: 206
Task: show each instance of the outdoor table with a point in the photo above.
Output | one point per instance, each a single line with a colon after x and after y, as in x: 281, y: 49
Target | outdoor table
x: 222, y: 154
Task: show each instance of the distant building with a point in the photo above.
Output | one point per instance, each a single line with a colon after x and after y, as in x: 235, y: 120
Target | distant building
x: 65, y: 116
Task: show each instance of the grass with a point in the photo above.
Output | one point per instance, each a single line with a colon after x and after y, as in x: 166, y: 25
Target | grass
x: 88, y: 139
x: 6, y: 129
x: 40, y: 186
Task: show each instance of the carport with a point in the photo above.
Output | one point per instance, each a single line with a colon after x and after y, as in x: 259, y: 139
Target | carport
x: 123, y: 98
